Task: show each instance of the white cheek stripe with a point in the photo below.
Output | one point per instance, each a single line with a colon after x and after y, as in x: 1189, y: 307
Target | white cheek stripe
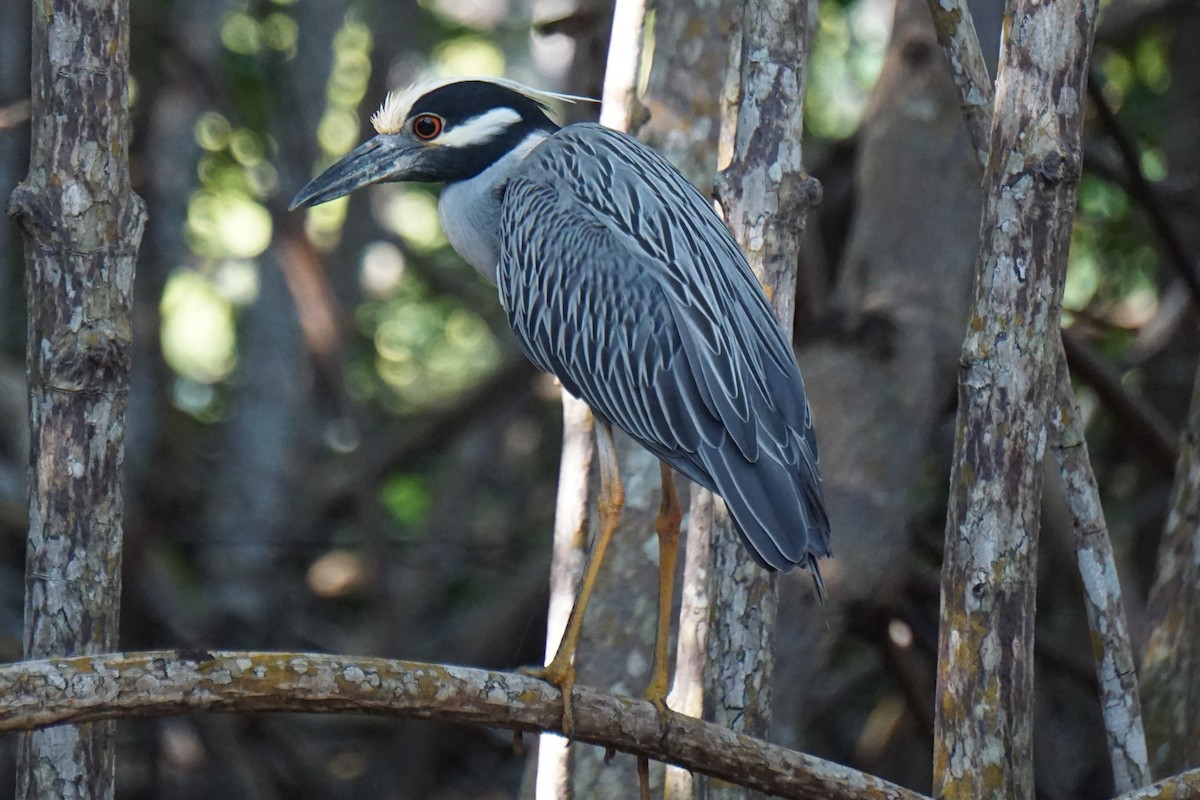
x: 480, y: 129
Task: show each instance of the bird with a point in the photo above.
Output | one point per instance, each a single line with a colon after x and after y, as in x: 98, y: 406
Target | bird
x: 619, y: 278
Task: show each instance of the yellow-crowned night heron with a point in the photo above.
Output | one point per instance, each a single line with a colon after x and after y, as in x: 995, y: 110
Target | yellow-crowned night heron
x: 620, y: 279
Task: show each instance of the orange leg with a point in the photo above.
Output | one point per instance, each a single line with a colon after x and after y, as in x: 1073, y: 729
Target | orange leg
x: 561, y: 670
x: 666, y: 524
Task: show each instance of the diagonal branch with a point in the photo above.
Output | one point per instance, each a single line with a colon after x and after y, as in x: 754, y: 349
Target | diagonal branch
x: 82, y: 226
x: 1184, y: 786
x: 37, y: 694
x: 1120, y: 701
x: 959, y: 40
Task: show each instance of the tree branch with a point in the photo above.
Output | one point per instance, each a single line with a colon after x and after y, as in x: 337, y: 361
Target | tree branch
x: 1184, y: 786
x: 960, y: 42
x: 1112, y: 649
x: 37, y: 694
x: 1116, y: 674
x: 766, y: 196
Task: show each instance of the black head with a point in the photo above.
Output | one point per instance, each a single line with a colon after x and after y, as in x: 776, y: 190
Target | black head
x: 446, y: 131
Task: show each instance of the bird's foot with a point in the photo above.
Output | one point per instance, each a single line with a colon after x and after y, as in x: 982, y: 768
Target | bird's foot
x: 562, y: 676
x: 656, y: 693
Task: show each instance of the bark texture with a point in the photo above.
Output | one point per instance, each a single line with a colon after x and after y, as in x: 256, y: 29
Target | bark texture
x: 1184, y: 786
x: 82, y: 225
x: 960, y: 41
x: 1172, y: 662
x: 41, y: 693
x: 984, y: 713
x: 879, y: 377
x: 1112, y: 649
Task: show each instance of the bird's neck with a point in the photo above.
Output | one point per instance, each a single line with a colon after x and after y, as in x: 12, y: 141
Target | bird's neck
x: 469, y: 210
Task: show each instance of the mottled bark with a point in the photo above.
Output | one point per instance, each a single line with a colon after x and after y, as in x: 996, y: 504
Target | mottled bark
x: 982, y: 742
x: 959, y: 40
x: 1184, y: 786
x: 1111, y: 647
x: 82, y: 226
x: 42, y: 693
x: 1172, y: 663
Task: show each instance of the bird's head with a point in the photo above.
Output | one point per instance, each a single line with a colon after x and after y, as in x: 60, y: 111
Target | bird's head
x: 444, y: 131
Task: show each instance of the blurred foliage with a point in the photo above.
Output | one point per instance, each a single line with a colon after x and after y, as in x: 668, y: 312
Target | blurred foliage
x: 847, y: 53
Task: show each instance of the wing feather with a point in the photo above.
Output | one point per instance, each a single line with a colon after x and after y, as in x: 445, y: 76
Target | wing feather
x: 619, y: 278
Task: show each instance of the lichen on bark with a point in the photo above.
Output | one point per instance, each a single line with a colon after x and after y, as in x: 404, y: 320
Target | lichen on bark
x: 82, y: 225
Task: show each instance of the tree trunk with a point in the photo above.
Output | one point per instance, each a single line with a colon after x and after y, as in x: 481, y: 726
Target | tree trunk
x: 82, y: 226
x: 984, y: 722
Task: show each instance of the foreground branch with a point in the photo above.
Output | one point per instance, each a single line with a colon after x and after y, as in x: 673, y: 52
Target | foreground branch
x: 1184, y: 786
x: 82, y: 225
x: 37, y: 694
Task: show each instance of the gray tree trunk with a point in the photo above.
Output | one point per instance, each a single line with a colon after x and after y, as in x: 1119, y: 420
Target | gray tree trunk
x: 984, y: 723
x: 82, y: 226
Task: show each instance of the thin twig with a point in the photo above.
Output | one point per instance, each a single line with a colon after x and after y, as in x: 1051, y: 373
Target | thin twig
x: 37, y: 694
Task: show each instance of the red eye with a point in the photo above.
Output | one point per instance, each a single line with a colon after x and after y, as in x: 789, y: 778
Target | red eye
x: 427, y: 126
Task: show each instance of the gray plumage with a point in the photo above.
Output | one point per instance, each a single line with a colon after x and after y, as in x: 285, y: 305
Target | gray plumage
x: 619, y: 278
